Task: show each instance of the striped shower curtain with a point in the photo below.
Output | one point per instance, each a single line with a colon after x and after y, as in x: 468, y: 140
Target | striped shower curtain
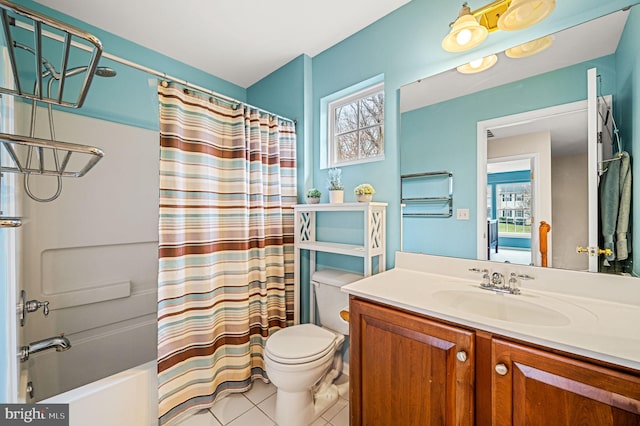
x: 227, y: 186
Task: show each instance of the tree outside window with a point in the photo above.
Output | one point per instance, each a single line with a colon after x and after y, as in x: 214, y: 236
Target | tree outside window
x: 357, y: 127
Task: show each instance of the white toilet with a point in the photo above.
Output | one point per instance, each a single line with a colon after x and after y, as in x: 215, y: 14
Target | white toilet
x: 303, y: 361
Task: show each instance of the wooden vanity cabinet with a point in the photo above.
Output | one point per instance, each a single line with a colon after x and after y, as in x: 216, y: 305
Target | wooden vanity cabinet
x: 535, y: 387
x: 408, y: 370
x: 405, y: 370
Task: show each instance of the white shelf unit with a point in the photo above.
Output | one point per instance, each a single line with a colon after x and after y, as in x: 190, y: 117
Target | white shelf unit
x: 373, y: 243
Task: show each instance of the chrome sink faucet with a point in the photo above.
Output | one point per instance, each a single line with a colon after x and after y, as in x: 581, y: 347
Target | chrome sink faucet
x: 496, y: 281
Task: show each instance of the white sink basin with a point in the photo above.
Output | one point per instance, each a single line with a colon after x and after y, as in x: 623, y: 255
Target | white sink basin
x: 502, y: 307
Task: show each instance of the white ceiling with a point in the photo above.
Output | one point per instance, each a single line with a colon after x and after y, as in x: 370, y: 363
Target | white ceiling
x: 240, y: 41
x: 568, y: 132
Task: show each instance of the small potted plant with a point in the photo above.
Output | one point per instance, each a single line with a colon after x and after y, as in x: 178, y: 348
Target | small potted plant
x: 313, y: 196
x: 335, y: 186
x: 364, y: 192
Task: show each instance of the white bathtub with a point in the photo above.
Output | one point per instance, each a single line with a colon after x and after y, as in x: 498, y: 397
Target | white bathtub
x: 128, y: 398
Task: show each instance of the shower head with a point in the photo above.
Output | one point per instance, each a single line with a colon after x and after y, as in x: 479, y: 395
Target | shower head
x: 105, y: 72
x: 100, y: 71
x: 51, y: 70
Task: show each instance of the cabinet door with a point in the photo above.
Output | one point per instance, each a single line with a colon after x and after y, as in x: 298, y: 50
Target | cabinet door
x: 407, y: 370
x: 533, y: 387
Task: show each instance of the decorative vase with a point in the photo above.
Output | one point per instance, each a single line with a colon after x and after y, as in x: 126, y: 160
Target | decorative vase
x: 313, y: 200
x: 336, y: 196
x: 365, y: 198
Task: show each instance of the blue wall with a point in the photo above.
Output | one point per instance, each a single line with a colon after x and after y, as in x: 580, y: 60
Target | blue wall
x: 287, y: 92
x: 443, y: 137
x: 405, y: 46
x: 627, y: 111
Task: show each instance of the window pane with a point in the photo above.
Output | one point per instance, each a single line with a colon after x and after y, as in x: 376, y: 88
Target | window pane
x: 346, y: 118
x: 347, y: 147
x: 514, y: 208
x: 372, y: 110
x: 371, y: 142
x: 357, y: 127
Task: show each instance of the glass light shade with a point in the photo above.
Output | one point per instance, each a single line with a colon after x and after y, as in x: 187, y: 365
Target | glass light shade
x: 530, y: 48
x: 524, y: 13
x: 466, y: 33
x: 478, y: 65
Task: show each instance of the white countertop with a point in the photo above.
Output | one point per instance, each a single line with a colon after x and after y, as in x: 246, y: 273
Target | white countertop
x: 607, y: 330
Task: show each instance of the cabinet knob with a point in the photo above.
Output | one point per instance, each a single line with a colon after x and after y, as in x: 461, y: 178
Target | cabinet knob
x: 462, y: 356
x: 501, y: 369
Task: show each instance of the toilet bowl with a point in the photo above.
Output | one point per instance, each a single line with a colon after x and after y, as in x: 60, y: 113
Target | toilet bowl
x: 298, y: 372
x: 304, y: 360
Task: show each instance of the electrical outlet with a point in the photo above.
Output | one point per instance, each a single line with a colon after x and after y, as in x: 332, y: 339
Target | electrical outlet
x: 462, y: 214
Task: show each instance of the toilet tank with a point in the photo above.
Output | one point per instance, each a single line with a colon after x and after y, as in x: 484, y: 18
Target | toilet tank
x: 330, y: 300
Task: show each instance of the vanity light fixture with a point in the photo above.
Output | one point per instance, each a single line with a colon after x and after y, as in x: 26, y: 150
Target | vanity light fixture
x: 472, y: 27
x: 478, y: 65
x: 525, y: 13
x: 530, y: 48
x: 466, y: 33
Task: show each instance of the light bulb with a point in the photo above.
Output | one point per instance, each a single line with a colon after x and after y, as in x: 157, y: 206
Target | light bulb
x: 463, y: 37
x: 476, y: 63
x: 529, y: 48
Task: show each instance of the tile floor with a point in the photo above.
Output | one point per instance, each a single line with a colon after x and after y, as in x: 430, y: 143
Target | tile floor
x: 256, y: 407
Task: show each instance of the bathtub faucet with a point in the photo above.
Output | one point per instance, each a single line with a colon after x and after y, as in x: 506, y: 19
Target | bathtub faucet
x: 61, y: 344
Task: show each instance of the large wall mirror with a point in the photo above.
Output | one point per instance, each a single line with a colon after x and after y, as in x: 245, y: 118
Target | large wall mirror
x: 515, y: 139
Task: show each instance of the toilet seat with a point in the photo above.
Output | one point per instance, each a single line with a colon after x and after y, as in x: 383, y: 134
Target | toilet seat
x: 300, y: 344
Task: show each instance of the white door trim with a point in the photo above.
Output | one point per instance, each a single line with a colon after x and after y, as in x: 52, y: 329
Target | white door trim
x: 481, y: 137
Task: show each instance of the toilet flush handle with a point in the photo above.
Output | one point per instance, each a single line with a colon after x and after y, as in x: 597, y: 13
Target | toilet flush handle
x: 344, y: 314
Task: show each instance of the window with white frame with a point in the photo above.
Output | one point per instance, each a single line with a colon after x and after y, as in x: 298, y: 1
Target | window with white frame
x: 356, y: 127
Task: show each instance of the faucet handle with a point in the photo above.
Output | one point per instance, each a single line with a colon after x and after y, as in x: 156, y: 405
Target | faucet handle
x: 486, y: 278
x: 34, y: 305
x: 497, y: 279
x: 525, y: 277
x: 513, y: 280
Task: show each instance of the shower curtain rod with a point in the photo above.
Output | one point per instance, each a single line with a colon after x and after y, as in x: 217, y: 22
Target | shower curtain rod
x: 154, y: 72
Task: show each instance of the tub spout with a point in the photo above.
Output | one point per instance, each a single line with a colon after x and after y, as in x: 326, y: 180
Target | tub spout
x: 60, y: 343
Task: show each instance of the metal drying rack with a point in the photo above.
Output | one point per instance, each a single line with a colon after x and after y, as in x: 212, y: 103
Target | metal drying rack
x: 443, y: 200
x: 29, y: 155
